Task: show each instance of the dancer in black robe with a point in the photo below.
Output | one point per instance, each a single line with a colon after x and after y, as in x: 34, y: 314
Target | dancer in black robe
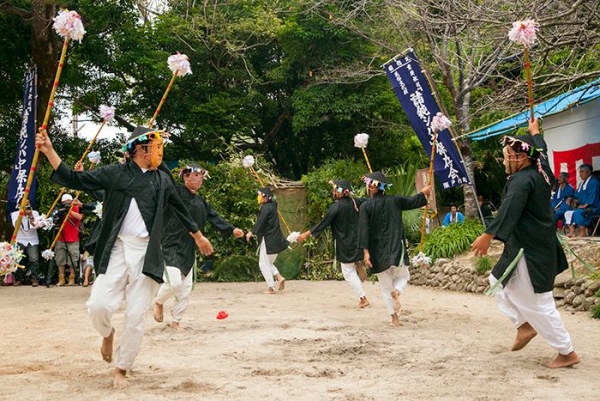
x: 179, y: 248
x: 342, y: 217
x: 525, y: 222
x: 270, y: 240
x: 128, y: 254
x: 382, y: 239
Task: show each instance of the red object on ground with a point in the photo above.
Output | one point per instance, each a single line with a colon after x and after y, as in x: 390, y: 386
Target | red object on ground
x: 222, y: 315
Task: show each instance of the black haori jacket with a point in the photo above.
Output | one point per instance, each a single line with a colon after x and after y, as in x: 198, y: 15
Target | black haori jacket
x: 267, y: 227
x: 381, y: 229
x: 525, y: 220
x: 342, y: 216
x: 153, y: 192
x: 179, y: 247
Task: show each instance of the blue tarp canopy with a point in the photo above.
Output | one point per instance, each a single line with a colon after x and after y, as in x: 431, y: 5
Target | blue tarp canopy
x: 578, y: 96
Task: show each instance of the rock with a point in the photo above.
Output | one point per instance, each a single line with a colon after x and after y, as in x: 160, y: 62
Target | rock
x: 441, y: 262
x: 558, y: 292
x: 578, y: 300
x: 577, y: 289
x: 594, y: 287
x: 580, y: 281
x: 569, y: 283
x: 453, y: 287
x: 559, y: 281
x: 455, y: 278
x: 588, y: 303
x: 569, y: 296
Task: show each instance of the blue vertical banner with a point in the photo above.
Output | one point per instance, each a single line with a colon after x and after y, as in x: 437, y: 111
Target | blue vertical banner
x: 25, y: 147
x: 417, y: 100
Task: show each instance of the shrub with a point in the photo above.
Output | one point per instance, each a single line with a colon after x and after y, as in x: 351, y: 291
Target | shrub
x: 596, y: 312
x: 450, y: 241
x: 484, y: 264
x: 237, y: 268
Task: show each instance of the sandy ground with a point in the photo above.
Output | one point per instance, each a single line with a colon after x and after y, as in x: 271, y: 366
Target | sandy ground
x: 308, y: 343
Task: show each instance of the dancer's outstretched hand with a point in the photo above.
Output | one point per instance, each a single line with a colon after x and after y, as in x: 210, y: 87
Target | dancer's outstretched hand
x: 238, y: 233
x: 203, y: 244
x: 248, y: 236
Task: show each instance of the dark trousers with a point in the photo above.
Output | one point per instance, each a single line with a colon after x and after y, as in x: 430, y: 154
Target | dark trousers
x: 33, y: 258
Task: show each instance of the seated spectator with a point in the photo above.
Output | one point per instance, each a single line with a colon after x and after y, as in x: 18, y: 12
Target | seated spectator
x: 558, y: 201
x: 585, y: 203
x: 453, y: 216
x: 486, y: 210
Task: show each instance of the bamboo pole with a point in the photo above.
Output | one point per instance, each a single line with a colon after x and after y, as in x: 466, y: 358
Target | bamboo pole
x: 36, y: 154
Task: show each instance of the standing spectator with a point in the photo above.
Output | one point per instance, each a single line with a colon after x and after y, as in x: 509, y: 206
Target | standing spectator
x: 453, y: 216
x: 342, y: 216
x: 383, y: 241
x: 558, y: 201
x: 67, y: 246
x: 270, y: 240
x: 525, y: 224
x: 28, y: 241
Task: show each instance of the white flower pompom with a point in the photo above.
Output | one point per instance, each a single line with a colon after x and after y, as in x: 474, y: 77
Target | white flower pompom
x: 68, y: 25
x: 9, y: 258
x: 440, y: 122
x: 248, y: 161
x: 98, y: 209
x: 179, y: 64
x: 524, y: 32
x: 361, y: 140
x: 107, y: 113
x: 47, y: 254
x: 46, y: 223
x: 421, y: 260
x: 293, y: 237
x: 94, y: 157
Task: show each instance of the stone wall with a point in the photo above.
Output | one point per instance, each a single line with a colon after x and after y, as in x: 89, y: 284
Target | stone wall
x: 460, y: 274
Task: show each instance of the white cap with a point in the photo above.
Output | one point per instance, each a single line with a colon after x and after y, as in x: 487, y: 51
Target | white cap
x: 66, y: 197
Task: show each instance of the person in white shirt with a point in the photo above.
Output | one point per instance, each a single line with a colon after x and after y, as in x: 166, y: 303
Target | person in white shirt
x: 28, y: 241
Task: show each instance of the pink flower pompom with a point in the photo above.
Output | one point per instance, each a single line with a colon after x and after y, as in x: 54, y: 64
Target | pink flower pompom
x: 106, y: 112
x: 524, y: 32
x: 179, y: 64
x: 440, y: 122
x: 68, y: 25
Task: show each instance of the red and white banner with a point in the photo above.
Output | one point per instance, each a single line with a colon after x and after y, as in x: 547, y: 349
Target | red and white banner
x: 570, y: 160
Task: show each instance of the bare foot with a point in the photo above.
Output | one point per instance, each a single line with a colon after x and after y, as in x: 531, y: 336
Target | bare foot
x: 158, y: 312
x: 280, y: 283
x: 395, y: 320
x: 107, y: 347
x: 364, y: 302
x: 525, y: 333
x: 120, y: 379
x: 396, y: 297
x: 270, y: 291
x: 175, y: 326
x: 565, y: 361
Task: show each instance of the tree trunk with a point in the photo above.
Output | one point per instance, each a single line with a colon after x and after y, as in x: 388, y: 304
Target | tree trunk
x: 43, y: 51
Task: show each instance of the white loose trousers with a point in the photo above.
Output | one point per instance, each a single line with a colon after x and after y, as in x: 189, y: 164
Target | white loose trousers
x: 522, y: 305
x: 123, y: 280
x: 266, y: 265
x: 394, y: 278
x: 351, y: 276
x: 179, y: 285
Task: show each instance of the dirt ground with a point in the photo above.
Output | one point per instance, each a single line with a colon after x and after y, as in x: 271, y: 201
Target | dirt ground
x: 308, y: 343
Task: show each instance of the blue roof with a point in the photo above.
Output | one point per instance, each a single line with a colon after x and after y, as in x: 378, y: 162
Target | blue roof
x: 578, y: 96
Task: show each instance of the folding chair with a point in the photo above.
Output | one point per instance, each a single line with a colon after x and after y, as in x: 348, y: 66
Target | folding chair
x: 597, y: 218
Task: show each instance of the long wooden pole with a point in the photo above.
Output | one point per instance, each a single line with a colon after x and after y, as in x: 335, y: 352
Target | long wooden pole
x: 429, y: 182
x: 36, y: 154
x: 529, y: 82
x: 162, y: 101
